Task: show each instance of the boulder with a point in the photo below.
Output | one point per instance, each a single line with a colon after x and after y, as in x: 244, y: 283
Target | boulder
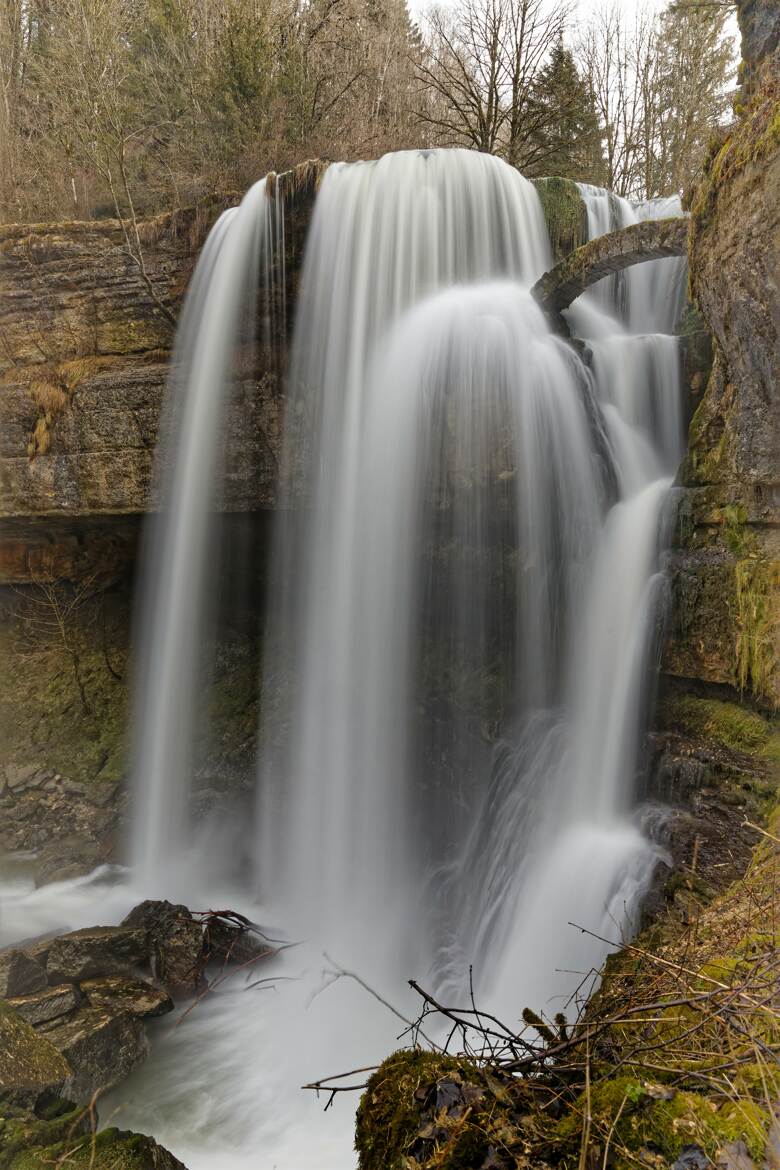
x: 62, y: 1134
x: 100, y: 1046
x: 30, y: 1065
x: 226, y: 942
x: 175, y: 941
x: 20, y: 974
x: 46, y: 1005
x: 138, y: 998
x: 94, y: 951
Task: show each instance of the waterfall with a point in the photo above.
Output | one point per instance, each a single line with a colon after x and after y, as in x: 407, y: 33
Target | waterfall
x: 462, y: 630
x: 216, y: 334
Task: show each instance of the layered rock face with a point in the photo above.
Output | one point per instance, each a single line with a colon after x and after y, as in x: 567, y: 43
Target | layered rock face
x: 85, y: 345
x: 726, y: 569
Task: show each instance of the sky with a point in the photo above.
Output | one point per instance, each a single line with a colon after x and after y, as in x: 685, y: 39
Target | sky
x: 582, y: 7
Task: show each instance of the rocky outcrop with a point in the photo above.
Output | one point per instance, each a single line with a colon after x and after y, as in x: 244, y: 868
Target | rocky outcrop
x: 73, y: 1020
x: 655, y: 239
x: 726, y: 565
x: 73, y: 1017
x: 84, y: 358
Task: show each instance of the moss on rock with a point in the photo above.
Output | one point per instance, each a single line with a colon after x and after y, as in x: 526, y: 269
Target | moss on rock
x: 29, y: 1064
x: 565, y: 214
x: 725, y: 722
x: 427, y: 1111
x: 62, y: 1135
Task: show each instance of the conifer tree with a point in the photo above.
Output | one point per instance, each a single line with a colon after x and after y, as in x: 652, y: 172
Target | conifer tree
x: 569, y: 139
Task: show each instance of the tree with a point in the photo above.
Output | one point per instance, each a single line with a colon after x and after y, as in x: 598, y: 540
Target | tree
x: 659, y: 88
x: 481, y: 67
x: 696, y: 61
x: 617, y: 60
x: 569, y: 139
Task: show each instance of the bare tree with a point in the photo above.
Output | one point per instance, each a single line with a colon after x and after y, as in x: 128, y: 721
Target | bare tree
x: 47, y: 611
x: 533, y: 29
x: 618, y: 60
x: 482, y: 65
x: 465, y: 69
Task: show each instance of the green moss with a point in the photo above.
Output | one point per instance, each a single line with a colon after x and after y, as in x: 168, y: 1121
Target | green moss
x: 27, y: 1060
x: 758, y: 590
x: 727, y: 723
x: 49, y: 725
x: 637, y: 1119
x: 738, y: 538
x: 565, y: 214
x: 388, y: 1117
x: 403, y: 1125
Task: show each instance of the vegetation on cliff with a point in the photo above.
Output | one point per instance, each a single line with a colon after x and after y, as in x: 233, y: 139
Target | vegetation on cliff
x: 677, y: 1051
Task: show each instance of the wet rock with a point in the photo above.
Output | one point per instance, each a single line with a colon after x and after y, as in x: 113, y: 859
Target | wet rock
x: 49, y: 1004
x: 134, y: 996
x: 176, y: 943
x: 692, y: 1158
x: 94, y: 951
x: 20, y: 974
x: 30, y: 1065
x: 18, y: 777
x: 226, y: 942
x: 734, y: 1156
x: 100, y: 1047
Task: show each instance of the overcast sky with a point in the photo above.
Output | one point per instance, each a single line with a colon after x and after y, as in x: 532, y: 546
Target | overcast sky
x: 582, y: 8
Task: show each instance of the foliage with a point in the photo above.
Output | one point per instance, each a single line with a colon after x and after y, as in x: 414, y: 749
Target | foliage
x: 569, y: 140
x: 124, y: 107
x: 678, y: 1049
x: 121, y: 107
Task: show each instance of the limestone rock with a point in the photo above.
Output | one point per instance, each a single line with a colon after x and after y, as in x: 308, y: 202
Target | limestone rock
x: 30, y: 1065
x: 725, y: 570
x: 138, y: 998
x: 176, y: 942
x: 94, y: 951
x: 101, y: 1048
x: 20, y: 974
x: 49, y: 1004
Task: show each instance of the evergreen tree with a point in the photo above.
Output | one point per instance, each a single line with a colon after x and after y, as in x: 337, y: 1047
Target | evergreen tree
x: 568, y: 138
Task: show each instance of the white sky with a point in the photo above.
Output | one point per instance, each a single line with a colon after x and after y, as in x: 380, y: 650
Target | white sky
x: 582, y: 8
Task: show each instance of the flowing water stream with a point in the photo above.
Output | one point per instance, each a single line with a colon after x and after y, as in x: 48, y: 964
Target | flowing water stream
x: 466, y: 595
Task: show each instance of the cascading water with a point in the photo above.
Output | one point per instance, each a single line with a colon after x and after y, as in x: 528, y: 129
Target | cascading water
x: 216, y: 336
x: 461, y: 628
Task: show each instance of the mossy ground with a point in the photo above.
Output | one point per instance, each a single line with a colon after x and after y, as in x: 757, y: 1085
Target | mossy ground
x: 62, y: 1136
x: 724, y: 722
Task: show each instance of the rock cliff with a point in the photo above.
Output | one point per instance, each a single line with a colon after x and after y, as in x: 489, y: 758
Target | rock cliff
x: 85, y: 345
x: 726, y: 567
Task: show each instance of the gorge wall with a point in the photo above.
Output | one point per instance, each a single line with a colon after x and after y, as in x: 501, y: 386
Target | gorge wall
x: 85, y: 345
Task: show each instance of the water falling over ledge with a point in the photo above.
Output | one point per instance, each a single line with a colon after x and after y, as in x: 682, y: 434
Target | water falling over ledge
x: 465, y: 582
